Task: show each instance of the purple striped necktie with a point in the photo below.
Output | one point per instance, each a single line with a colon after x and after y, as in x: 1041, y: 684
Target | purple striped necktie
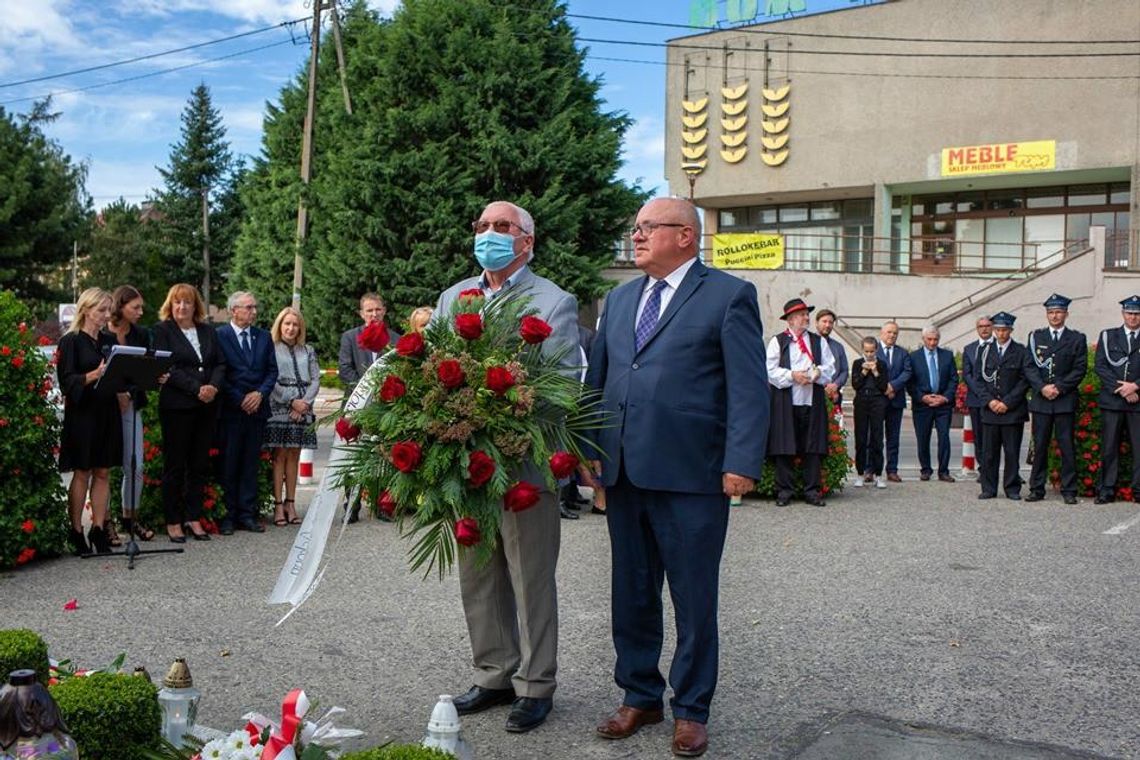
x: 649, y: 315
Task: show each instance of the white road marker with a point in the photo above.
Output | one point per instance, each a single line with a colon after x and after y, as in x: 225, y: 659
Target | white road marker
x: 1118, y: 529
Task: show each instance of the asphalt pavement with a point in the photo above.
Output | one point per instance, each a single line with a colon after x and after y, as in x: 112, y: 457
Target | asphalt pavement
x: 911, y: 622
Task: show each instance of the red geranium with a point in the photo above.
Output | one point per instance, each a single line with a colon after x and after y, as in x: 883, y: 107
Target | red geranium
x: 534, y: 330
x: 450, y: 373
x: 521, y: 496
x: 28, y: 526
x: 392, y: 389
x: 469, y: 326
x: 5, y: 351
x: 480, y: 468
x: 411, y: 344
x: 25, y: 556
x: 386, y: 504
x: 499, y: 379
x: 44, y: 340
x: 374, y: 337
x: 347, y: 430
x: 406, y: 456
x: 563, y: 464
x: 467, y: 532
x: 18, y: 361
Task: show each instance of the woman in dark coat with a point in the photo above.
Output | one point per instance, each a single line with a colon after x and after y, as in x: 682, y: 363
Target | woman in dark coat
x: 187, y: 407
x: 92, y: 439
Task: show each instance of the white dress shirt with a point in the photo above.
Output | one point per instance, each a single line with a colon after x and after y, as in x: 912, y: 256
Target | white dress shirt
x: 779, y: 377
x: 672, y: 282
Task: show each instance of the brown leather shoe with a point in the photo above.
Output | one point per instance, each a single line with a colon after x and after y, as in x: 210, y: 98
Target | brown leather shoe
x: 626, y: 721
x: 690, y: 738
x: 894, y: 477
x: 946, y: 478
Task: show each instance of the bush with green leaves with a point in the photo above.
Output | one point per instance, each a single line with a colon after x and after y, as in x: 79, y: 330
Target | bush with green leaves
x: 33, y: 514
x: 21, y: 649
x: 399, y: 752
x: 111, y: 716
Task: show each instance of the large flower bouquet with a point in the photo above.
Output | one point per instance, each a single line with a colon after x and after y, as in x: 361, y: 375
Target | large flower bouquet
x: 465, y: 421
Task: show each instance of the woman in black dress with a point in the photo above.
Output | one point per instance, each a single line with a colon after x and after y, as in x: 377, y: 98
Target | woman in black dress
x: 187, y: 407
x: 127, y: 308
x: 92, y: 440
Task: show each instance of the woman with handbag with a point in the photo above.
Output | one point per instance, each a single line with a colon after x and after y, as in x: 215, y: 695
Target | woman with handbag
x: 291, y: 418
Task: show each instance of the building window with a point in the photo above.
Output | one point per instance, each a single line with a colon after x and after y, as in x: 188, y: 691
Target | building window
x: 1088, y: 195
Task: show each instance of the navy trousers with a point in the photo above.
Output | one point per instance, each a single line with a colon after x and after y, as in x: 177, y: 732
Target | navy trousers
x: 892, y: 429
x: 242, y: 436
x: 926, y: 421
x: 654, y: 535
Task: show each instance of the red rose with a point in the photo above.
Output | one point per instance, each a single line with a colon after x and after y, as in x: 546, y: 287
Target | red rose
x: 480, y: 468
x: 469, y: 326
x: 450, y: 373
x: 386, y: 503
x: 411, y: 344
x: 392, y: 389
x: 563, y: 464
x: 467, y: 532
x: 471, y: 295
x: 521, y: 496
x: 499, y: 379
x: 406, y: 456
x: 374, y: 337
x: 28, y: 526
x: 347, y: 430
x: 534, y: 330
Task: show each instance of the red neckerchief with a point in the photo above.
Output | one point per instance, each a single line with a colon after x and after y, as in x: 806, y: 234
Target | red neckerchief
x: 802, y: 344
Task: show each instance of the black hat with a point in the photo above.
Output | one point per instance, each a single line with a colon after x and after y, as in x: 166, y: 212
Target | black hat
x: 1003, y: 319
x: 794, y: 305
x: 1056, y: 301
x: 1132, y: 303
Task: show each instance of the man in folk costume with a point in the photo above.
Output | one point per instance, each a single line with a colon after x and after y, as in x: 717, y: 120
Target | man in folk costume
x: 1060, y: 358
x: 1001, y: 372
x: 1118, y: 367
x: 800, y: 364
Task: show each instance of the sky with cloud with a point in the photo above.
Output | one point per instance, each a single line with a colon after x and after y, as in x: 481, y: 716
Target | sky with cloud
x: 122, y: 126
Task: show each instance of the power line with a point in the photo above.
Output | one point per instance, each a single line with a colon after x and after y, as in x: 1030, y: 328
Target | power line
x: 860, y: 53
x: 892, y: 76
x: 147, y: 76
x: 858, y: 37
x: 149, y: 56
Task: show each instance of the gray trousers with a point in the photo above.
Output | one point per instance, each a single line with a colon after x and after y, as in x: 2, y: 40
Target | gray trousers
x: 130, y: 419
x: 511, y: 603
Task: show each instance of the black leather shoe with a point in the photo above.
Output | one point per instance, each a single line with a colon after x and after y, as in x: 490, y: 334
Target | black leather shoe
x: 528, y: 713
x: 566, y: 512
x: 1070, y: 500
x: 203, y: 536
x: 986, y: 495
x: 178, y: 539
x: 252, y: 527
x: 815, y: 501
x: 1035, y: 497
x: 1013, y: 496
x: 226, y: 528
x: 924, y: 476
x: 478, y: 699
x: 1101, y: 499
x: 354, y: 514
x: 782, y: 502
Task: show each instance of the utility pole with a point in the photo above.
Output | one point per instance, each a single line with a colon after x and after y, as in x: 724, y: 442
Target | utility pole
x: 307, y: 152
x: 74, y: 271
x: 340, y: 58
x: 206, y: 246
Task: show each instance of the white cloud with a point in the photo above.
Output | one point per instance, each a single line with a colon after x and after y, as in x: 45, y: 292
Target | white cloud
x: 643, y: 153
x: 107, y: 180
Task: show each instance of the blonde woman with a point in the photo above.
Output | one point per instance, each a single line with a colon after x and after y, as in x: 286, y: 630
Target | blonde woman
x: 92, y: 440
x: 290, y: 426
x: 419, y: 318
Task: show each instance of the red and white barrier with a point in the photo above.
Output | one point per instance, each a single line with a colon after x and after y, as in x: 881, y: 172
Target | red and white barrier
x: 305, y: 467
x: 968, y: 464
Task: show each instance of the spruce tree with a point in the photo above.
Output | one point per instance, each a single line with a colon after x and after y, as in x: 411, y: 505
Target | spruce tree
x: 456, y: 103
x: 126, y: 247
x: 199, y: 162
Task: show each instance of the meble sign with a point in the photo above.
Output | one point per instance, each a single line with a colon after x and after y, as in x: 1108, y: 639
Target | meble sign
x: 999, y: 158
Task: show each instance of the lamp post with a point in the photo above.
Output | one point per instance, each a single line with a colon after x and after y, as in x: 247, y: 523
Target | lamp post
x: 692, y: 169
x: 179, y: 701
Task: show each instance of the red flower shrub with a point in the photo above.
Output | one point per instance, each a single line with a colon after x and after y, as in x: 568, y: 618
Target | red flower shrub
x: 480, y: 468
x: 469, y: 326
x: 534, y: 330
x: 406, y: 456
x: 520, y: 497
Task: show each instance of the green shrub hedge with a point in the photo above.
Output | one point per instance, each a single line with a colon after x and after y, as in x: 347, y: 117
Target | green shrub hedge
x: 399, y: 752
x: 111, y: 716
x: 23, y: 649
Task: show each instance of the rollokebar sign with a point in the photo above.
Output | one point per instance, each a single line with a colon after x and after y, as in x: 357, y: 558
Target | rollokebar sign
x: 999, y: 158
x: 748, y: 250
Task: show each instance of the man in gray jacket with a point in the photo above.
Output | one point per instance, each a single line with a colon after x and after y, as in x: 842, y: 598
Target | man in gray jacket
x: 511, y: 602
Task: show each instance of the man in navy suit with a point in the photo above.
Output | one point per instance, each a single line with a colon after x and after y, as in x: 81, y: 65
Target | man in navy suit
x: 933, y: 386
x: 679, y: 357
x: 1117, y: 365
x: 251, y: 373
x: 970, y: 353
x: 897, y: 362
x: 1001, y: 372
x: 824, y: 324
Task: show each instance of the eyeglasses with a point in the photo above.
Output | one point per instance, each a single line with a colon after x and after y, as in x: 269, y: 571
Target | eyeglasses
x: 251, y: 307
x: 502, y: 225
x: 646, y: 228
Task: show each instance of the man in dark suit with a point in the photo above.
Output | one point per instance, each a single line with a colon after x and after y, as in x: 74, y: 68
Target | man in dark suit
x: 824, y: 324
x: 897, y: 362
x: 1118, y: 367
x: 1001, y: 373
x: 985, y: 329
x: 679, y: 358
x: 251, y: 373
x: 1059, y: 359
x: 933, y: 385
x: 353, y: 360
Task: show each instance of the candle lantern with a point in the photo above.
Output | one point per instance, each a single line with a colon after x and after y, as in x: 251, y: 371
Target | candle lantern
x: 443, y: 730
x: 179, y: 701
x: 30, y: 722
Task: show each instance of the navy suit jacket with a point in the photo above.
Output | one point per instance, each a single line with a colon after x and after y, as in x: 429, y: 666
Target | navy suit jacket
x: 946, y: 384
x: 692, y: 404
x: 243, y: 375
x: 899, y: 372
x: 969, y: 374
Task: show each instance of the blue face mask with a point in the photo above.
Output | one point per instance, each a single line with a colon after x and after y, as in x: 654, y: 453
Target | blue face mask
x: 494, y: 250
